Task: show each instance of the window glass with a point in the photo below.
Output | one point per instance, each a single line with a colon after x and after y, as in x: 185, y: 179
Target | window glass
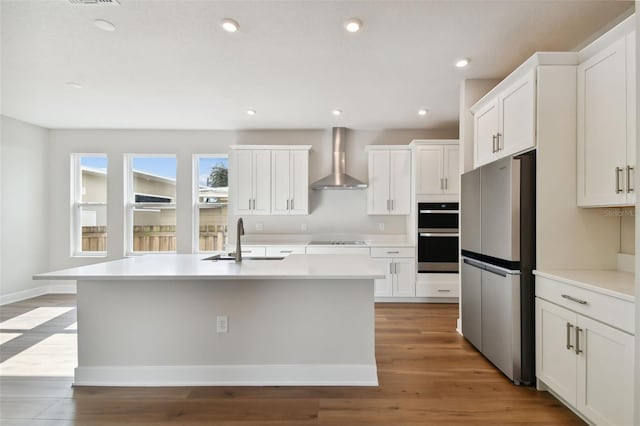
x: 212, y: 203
x: 89, y: 222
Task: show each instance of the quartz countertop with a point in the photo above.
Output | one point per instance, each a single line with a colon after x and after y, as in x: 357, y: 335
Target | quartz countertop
x: 612, y: 283
x: 192, y: 267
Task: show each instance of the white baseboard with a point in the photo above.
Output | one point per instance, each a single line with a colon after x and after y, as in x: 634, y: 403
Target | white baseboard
x: 459, y: 326
x: 17, y: 296
x: 416, y: 300
x: 229, y: 375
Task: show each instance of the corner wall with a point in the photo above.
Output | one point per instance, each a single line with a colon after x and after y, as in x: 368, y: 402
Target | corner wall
x: 24, y: 205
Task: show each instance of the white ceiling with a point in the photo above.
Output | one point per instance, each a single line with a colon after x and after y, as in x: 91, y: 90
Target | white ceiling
x: 169, y: 65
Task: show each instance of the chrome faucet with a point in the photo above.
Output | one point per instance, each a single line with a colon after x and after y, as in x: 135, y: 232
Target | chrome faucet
x: 238, y: 234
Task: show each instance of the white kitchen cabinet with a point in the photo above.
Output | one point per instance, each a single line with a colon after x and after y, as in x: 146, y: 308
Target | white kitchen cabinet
x: 252, y: 181
x: 437, y: 168
x: 580, y: 356
x: 320, y: 249
x: 606, y: 126
x: 504, y: 120
x: 290, y: 182
x: 438, y: 286
x: 277, y: 251
x: 400, y: 279
x: 389, y: 189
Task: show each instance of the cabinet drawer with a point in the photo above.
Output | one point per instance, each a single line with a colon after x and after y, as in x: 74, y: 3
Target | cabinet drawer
x: 285, y: 250
x: 253, y: 251
x: 393, y: 252
x: 437, y: 285
x: 609, y: 310
x: 337, y: 250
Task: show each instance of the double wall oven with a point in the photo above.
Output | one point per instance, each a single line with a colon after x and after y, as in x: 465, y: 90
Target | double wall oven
x: 438, y: 237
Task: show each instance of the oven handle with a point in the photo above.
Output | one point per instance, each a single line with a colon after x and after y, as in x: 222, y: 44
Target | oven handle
x: 438, y: 234
x: 441, y: 211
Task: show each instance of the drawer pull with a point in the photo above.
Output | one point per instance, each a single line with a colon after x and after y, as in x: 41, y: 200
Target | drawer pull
x: 286, y: 251
x: 573, y: 299
x: 393, y: 252
x: 569, y: 345
x: 443, y: 291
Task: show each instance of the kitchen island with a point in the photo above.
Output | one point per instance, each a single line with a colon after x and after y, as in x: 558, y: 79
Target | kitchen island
x: 155, y: 321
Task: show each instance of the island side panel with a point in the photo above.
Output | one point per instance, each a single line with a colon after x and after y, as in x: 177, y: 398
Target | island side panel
x: 307, y: 331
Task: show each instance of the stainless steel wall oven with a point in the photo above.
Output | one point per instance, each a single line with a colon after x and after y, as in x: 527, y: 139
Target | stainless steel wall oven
x: 438, y: 237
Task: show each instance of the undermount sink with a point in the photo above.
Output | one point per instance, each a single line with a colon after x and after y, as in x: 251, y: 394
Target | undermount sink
x: 232, y: 256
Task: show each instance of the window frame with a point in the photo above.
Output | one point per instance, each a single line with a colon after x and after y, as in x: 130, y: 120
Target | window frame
x: 131, y: 205
x: 76, y: 205
x: 196, y: 205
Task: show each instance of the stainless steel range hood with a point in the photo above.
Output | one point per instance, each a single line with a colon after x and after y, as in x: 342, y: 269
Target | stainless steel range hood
x: 338, y: 179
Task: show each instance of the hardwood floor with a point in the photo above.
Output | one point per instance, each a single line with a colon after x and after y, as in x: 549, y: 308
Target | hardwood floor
x: 428, y: 375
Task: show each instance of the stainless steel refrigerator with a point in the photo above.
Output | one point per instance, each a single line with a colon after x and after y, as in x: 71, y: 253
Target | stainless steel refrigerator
x: 497, y: 237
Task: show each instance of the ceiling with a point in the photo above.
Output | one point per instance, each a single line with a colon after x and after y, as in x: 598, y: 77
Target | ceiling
x: 169, y: 65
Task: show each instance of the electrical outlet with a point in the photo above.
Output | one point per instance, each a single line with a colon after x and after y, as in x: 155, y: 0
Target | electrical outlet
x: 303, y: 227
x: 381, y: 226
x: 222, y: 324
x: 259, y: 226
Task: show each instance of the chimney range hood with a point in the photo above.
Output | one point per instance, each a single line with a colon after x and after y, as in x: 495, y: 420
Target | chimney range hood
x: 338, y: 179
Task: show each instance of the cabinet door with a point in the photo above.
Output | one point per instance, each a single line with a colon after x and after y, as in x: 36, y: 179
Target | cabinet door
x: 451, y: 169
x: 517, y: 117
x: 262, y: 181
x: 400, y: 182
x: 280, y: 182
x: 243, y: 181
x: 605, y: 373
x: 631, y: 118
x: 556, y: 363
x: 485, y: 125
x: 602, y: 127
x: 429, y: 162
x: 404, y: 277
x: 384, y: 286
x: 378, y: 191
x: 299, y: 186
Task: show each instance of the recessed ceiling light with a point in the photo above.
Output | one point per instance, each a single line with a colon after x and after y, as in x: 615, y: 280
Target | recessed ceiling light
x: 423, y: 111
x: 104, y: 25
x: 230, y: 25
x: 461, y: 63
x: 337, y: 112
x: 251, y: 112
x: 353, y: 25
x: 73, y: 85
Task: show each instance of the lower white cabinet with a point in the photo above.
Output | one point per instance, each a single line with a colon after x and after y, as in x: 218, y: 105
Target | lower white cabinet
x: 284, y: 251
x: 400, y: 279
x: 585, y: 362
x: 438, y: 286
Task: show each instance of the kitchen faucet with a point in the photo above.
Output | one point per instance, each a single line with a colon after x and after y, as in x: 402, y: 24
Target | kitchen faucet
x: 240, y: 232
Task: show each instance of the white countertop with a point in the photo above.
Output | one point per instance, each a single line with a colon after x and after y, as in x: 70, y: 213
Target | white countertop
x: 612, y: 283
x: 192, y: 267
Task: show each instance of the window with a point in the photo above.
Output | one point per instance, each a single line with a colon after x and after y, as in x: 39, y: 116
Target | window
x: 211, y: 199
x: 89, y: 205
x: 151, y: 206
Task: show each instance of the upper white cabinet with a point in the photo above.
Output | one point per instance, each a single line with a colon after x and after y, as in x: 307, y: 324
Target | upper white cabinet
x: 270, y: 179
x: 504, y: 122
x: 290, y: 182
x: 606, y: 126
x: 251, y: 184
x: 389, y: 190
x: 437, y: 165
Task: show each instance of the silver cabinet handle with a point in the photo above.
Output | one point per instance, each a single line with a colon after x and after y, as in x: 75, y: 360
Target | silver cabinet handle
x: 618, y: 189
x: 388, y: 205
x: 439, y: 234
x: 287, y: 204
x: 391, y: 267
x: 446, y: 183
x: 569, y: 345
x: 573, y: 299
x: 286, y: 251
x: 498, y: 148
x: 393, y: 252
x: 493, y: 145
x: 254, y: 203
x: 578, y: 350
x: 249, y: 203
x: 292, y: 204
x: 393, y: 205
x: 443, y: 291
x: 629, y: 170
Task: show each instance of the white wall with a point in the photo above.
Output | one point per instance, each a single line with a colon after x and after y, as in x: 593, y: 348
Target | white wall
x: 331, y: 211
x: 24, y: 201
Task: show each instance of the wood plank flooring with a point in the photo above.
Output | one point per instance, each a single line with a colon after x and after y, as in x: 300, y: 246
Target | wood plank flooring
x: 428, y: 375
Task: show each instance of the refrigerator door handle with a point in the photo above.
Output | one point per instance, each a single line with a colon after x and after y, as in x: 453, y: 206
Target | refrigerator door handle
x: 494, y: 270
x: 474, y: 263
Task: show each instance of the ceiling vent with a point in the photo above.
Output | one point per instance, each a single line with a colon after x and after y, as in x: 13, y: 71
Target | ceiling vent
x: 104, y: 2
